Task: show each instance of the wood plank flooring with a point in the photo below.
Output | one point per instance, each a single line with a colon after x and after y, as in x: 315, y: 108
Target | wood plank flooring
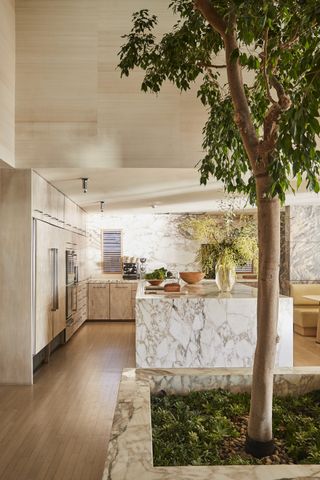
x: 306, y: 351
x: 58, y: 429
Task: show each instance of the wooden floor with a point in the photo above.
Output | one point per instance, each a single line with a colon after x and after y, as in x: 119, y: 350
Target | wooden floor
x: 306, y: 351
x: 59, y: 428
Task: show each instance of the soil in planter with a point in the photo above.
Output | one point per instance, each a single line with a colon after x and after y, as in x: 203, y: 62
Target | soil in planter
x: 209, y: 428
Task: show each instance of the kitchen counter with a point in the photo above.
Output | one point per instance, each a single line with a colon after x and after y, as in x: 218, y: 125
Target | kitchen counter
x: 204, y: 289
x: 202, y: 327
x: 110, y: 280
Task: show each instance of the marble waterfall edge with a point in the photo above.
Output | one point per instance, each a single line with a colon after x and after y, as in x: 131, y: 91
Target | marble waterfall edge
x: 205, y: 328
x: 129, y: 454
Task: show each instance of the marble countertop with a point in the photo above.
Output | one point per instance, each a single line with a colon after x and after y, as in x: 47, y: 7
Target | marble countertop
x: 204, y: 289
x: 110, y: 280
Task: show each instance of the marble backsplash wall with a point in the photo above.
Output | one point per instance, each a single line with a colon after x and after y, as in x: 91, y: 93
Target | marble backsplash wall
x: 155, y: 237
x: 300, y: 245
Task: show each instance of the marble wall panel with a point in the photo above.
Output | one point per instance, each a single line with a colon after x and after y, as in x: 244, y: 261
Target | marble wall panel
x: 305, y: 223
x: 300, y: 246
x: 155, y: 237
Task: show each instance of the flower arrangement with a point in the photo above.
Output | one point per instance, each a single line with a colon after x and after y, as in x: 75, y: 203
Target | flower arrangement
x: 230, y: 240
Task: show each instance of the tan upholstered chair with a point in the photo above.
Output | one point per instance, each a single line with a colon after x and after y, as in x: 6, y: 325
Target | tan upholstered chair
x: 305, y: 312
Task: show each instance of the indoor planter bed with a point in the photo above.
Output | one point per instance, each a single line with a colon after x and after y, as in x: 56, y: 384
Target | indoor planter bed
x: 130, y: 448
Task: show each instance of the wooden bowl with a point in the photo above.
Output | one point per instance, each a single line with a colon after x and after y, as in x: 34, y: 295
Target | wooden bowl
x: 155, y: 282
x: 191, y: 277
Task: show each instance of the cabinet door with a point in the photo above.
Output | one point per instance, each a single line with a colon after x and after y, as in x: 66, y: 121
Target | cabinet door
x: 56, y: 200
x: 70, y: 213
x: 99, y: 301
x: 120, y: 302
x: 59, y: 316
x: 39, y: 196
x: 44, y: 285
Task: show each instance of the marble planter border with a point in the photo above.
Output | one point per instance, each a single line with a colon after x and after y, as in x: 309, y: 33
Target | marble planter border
x: 130, y: 448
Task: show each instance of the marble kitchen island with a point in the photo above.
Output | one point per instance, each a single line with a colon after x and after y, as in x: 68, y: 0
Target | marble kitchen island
x: 202, y: 327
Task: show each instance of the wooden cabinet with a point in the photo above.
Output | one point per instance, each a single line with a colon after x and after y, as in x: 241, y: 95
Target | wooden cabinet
x: 47, y: 201
x: 52, y: 206
x: 82, y: 306
x: 99, y: 301
x: 59, y: 316
x: 75, y: 217
x: 39, y: 196
x: 114, y: 301
x: 120, y: 301
x: 70, y: 213
x: 50, y: 308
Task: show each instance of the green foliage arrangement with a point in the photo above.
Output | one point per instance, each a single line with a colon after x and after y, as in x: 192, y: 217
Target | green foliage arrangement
x: 231, y: 240
x: 157, y: 274
x: 190, y: 430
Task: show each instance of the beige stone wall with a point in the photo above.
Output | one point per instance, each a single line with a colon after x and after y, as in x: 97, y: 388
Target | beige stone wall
x: 73, y: 109
x: 7, y: 82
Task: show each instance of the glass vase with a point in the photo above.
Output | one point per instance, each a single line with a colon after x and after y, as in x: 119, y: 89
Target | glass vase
x: 225, y: 276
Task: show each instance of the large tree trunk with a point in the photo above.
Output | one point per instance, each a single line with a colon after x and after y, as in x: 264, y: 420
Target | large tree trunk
x: 260, y: 437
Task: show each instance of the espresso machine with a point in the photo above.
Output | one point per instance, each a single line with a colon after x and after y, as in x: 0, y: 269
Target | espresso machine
x: 130, y: 268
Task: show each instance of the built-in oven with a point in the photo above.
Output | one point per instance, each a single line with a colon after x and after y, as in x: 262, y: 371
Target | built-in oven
x: 71, y: 267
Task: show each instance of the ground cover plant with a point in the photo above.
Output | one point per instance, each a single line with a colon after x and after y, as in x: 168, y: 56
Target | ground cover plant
x: 209, y: 428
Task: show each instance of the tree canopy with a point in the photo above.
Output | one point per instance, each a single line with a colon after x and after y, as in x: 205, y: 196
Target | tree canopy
x: 278, y: 45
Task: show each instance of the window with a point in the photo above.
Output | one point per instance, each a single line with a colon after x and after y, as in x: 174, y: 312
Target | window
x: 111, y: 251
x: 247, y: 268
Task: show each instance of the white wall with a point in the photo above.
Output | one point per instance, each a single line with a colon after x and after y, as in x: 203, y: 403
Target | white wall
x: 155, y: 237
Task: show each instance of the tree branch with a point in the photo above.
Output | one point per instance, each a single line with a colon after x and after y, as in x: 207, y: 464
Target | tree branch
x: 242, y: 116
x: 209, y: 65
x: 270, y: 134
x: 290, y: 42
x: 264, y: 57
x: 211, y: 15
x: 284, y: 99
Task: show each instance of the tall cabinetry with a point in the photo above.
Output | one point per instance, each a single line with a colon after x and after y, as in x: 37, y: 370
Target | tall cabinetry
x: 49, y: 284
x: 33, y: 238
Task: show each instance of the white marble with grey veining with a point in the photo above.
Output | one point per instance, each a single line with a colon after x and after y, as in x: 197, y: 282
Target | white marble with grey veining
x: 129, y: 454
x: 205, y: 328
x: 300, y: 234
x: 154, y: 236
